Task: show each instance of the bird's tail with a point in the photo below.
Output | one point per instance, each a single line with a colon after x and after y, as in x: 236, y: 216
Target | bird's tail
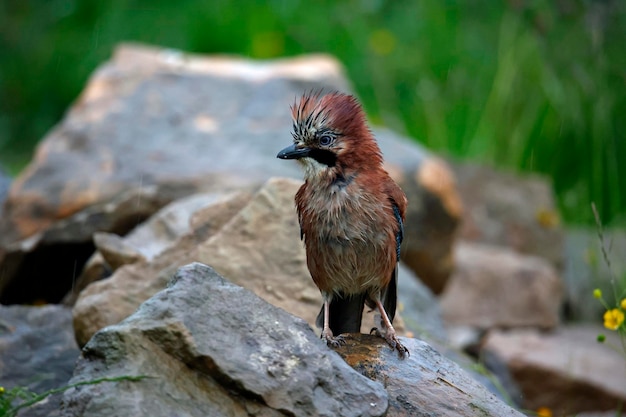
x: 346, y: 312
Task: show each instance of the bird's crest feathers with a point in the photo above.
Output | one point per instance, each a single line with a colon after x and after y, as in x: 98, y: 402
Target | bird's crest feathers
x: 341, y: 116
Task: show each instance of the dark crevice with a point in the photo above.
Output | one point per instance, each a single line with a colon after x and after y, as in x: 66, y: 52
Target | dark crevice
x: 46, y: 275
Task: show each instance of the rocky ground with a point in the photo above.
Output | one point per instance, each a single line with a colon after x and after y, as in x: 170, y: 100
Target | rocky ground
x: 154, y: 235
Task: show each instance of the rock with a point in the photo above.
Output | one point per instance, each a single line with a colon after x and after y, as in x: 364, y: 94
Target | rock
x: 612, y: 413
x: 264, y: 362
x: 209, y: 347
x: 215, y: 124
x: 565, y: 370
x: 419, y: 308
x: 460, y: 344
x: 464, y: 337
x: 113, y: 299
x: 37, y: 352
x: 494, y: 374
x: 503, y: 209
x: 5, y: 183
x: 464, y: 347
x: 260, y: 249
x: 170, y: 223
x: 149, y: 239
x: 114, y: 251
x: 67, y: 244
x: 586, y: 269
x: 495, y: 287
x: 424, y: 384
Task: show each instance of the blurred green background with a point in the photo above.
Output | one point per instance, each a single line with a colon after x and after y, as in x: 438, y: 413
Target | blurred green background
x: 529, y: 85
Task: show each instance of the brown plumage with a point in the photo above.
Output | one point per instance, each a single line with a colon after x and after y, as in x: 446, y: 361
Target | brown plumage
x: 350, y: 212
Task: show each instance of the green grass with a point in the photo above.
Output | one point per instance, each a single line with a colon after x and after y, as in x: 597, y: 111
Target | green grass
x: 540, y: 86
x: 19, y: 398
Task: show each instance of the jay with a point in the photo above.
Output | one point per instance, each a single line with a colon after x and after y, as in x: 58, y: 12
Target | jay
x: 351, y: 215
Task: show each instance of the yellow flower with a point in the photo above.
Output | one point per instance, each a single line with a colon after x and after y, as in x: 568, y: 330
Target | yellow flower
x: 597, y: 293
x: 1, y: 390
x: 623, y: 304
x: 547, y: 218
x: 613, y: 319
x: 544, y: 412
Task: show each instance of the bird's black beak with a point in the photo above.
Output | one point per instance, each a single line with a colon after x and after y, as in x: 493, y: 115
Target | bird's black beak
x: 293, y: 152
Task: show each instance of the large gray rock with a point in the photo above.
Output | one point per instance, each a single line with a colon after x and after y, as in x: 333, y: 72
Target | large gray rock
x: 38, y: 352
x: 212, y: 348
x: 425, y: 383
x: 154, y: 125
x: 209, y: 347
x: 496, y: 287
x: 506, y: 210
x: 565, y: 370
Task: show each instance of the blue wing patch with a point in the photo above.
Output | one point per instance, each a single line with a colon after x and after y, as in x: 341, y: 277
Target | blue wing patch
x: 400, y: 234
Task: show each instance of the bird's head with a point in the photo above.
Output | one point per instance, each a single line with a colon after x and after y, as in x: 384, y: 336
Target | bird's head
x: 330, y: 136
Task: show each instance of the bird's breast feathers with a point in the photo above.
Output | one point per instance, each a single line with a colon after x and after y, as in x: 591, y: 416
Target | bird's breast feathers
x: 341, y: 212
x: 347, y: 236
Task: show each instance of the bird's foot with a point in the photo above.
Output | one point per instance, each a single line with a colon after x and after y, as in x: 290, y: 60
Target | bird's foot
x: 333, y: 341
x: 392, y: 340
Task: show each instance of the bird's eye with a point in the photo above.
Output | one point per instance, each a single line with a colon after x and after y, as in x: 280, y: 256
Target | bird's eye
x: 326, y: 140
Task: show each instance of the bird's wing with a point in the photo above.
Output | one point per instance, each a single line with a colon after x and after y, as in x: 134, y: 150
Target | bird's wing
x: 398, y: 204
x: 396, y: 196
x: 400, y: 232
x: 389, y: 296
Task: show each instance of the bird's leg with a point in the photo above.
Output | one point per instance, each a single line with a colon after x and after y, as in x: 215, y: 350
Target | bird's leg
x: 389, y: 333
x: 327, y: 334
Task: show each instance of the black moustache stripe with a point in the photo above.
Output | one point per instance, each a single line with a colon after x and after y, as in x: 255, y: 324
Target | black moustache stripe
x: 323, y: 156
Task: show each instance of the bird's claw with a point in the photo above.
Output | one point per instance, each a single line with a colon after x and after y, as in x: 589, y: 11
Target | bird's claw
x: 333, y: 341
x: 392, y: 340
x: 395, y: 344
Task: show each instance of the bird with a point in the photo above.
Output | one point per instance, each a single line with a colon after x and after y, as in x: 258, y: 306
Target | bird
x: 351, y: 215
